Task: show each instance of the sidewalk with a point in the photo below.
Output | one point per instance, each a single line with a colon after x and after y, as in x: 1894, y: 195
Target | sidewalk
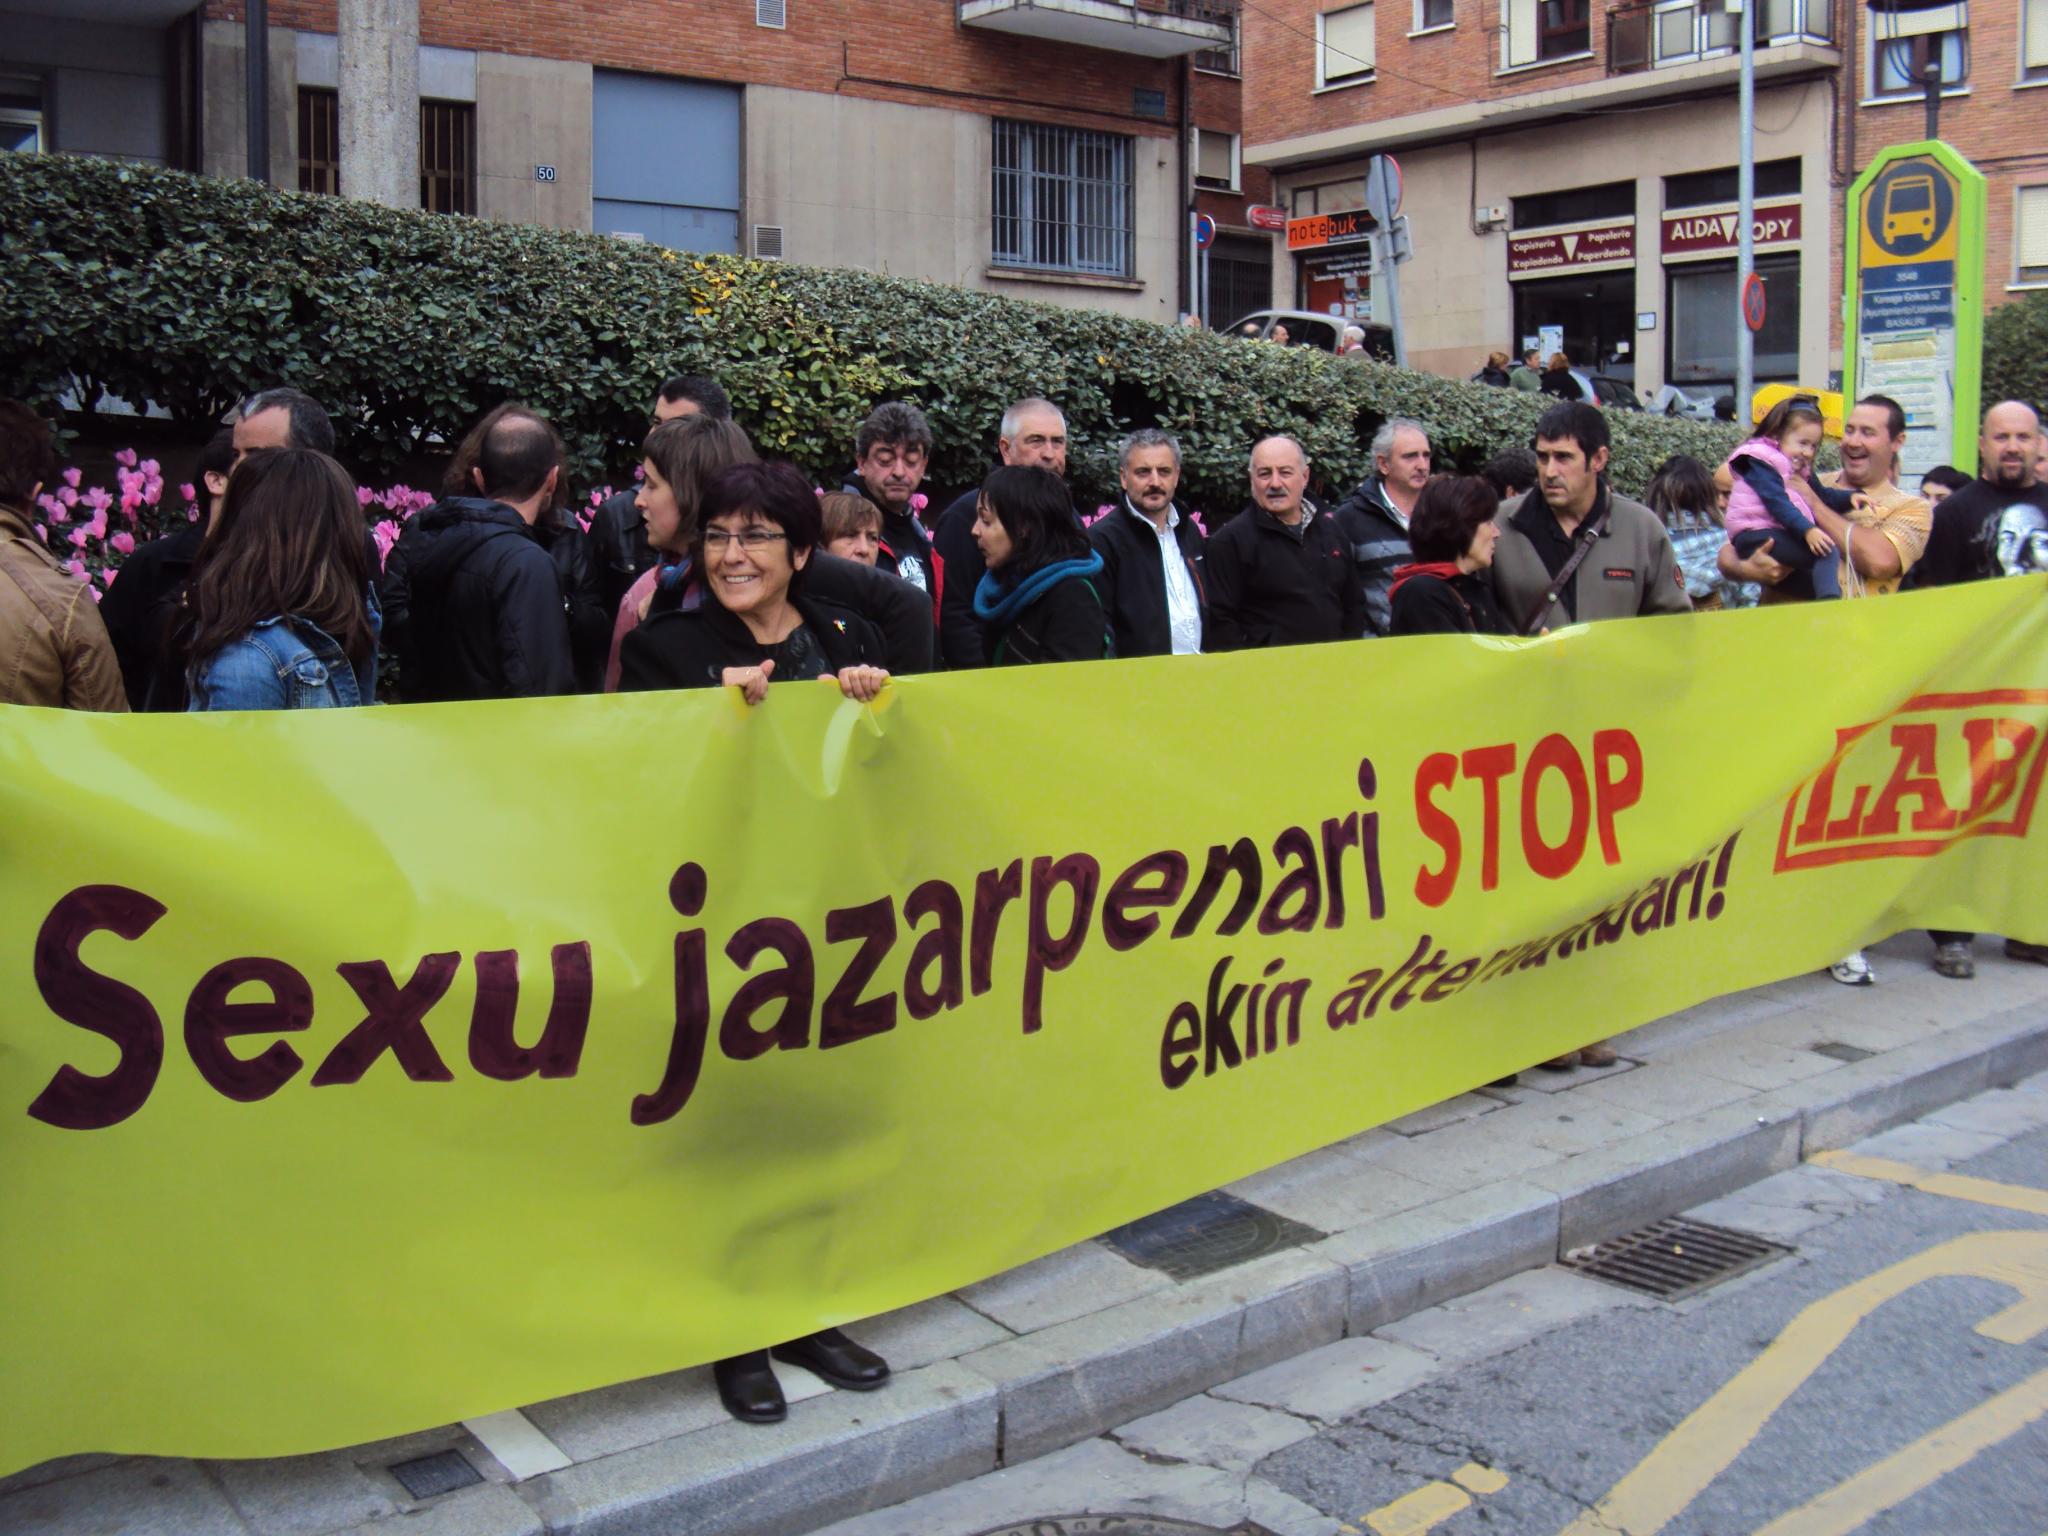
x: 1329, y: 1246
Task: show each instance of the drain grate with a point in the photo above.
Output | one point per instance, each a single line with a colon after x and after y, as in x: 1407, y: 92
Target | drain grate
x: 1841, y: 1052
x: 428, y: 1477
x: 1205, y: 1234
x: 1121, y: 1525
x: 1674, y: 1259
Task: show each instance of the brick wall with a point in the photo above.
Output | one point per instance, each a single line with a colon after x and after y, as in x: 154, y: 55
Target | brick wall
x: 916, y: 44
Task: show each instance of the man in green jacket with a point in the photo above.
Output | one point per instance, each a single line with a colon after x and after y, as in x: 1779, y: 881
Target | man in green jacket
x: 1572, y: 551
x: 1529, y: 376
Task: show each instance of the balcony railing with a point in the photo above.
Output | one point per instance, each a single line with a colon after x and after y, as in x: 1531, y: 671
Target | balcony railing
x: 1160, y: 29
x: 1656, y: 34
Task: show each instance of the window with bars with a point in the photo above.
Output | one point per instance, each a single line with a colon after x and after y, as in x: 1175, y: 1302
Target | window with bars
x: 448, y: 156
x: 1062, y: 199
x: 319, y: 140
x: 2030, y: 236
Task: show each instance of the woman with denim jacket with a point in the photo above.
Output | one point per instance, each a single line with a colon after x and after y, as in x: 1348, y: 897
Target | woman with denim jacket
x: 280, y: 613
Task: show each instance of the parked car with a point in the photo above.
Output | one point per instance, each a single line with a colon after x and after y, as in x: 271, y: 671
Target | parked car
x: 1670, y: 400
x: 1615, y: 394
x: 1306, y: 328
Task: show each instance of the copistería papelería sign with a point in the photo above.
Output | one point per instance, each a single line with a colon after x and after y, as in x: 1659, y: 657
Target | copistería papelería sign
x: 363, y: 1070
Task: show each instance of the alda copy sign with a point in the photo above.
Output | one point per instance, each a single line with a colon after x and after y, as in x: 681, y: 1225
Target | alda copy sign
x: 1913, y: 301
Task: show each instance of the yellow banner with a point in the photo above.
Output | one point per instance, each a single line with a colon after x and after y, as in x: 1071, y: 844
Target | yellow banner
x: 367, y: 1070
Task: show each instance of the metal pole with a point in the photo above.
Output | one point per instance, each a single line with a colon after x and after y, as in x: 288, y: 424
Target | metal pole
x: 1934, y: 91
x: 1208, y: 318
x: 1745, y: 184
x: 256, y: 86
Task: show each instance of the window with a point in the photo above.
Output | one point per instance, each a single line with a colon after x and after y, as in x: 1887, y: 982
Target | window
x: 1221, y: 61
x: 2034, y: 40
x: 319, y: 141
x: 1701, y: 336
x: 1535, y: 31
x: 1902, y: 48
x: 1062, y: 199
x: 1434, y: 13
x: 2030, y: 236
x: 448, y: 157
x: 1216, y: 160
x: 1581, y: 205
x: 1345, y: 48
x: 1707, y: 189
x: 21, y: 115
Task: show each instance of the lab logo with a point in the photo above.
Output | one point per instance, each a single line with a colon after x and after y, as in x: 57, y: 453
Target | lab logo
x: 1943, y: 767
x: 1909, y: 208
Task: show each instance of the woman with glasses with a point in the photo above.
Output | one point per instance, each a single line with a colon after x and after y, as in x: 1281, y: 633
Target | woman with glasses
x: 755, y: 623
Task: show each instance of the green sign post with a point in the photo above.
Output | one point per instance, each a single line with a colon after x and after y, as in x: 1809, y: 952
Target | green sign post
x: 1913, y: 299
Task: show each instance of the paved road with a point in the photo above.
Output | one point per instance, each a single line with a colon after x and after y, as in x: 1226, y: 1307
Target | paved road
x: 1853, y: 1385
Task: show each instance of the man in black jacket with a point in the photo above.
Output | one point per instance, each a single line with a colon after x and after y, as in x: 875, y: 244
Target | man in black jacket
x: 1033, y: 432
x: 1151, y: 579
x: 473, y: 603
x: 890, y: 452
x: 1374, y: 517
x: 1280, y: 573
x: 618, y: 533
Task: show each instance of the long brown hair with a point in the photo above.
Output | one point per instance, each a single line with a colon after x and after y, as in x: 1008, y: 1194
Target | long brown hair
x: 687, y: 452
x: 289, y: 542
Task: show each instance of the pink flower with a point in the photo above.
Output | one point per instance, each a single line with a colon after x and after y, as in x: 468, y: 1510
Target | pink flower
x: 72, y: 477
x: 151, y: 468
x: 125, y: 458
x: 95, y: 591
x: 98, y: 526
x: 77, y: 538
x: 583, y: 521
x: 153, y: 492
x: 919, y: 502
x: 597, y: 498
x: 68, y: 496
x: 191, y: 514
x: 188, y: 492
x: 639, y: 472
x: 76, y: 567
x: 106, y: 575
x: 42, y: 533
x: 385, y: 534
x: 364, y: 495
x: 123, y: 542
x: 54, y: 509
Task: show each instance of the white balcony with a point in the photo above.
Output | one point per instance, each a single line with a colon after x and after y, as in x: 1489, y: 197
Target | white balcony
x: 1155, y: 29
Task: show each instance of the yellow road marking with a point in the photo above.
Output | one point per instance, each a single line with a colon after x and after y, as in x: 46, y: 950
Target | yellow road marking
x: 1433, y: 1503
x: 2011, y: 1197
x: 1701, y: 1448
x: 1425, y: 1508
x: 1898, y: 1477
x: 1474, y: 1478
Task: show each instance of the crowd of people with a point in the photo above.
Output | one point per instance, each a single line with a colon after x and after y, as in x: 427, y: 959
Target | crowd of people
x: 722, y: 570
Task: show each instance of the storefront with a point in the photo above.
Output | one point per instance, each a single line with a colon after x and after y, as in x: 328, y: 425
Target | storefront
x: 1575, y: 291
x: 1699, y: 247
x: 1333, y: 263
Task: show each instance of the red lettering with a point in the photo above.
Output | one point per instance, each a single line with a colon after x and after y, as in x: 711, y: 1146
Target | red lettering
x: 1439, y: 771
x: 1913, y: 773
x: 1994, y: 776
x: 1553, y: 861
x: 1612, y: 796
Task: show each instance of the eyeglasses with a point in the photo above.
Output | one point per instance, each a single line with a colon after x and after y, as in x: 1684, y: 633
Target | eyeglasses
x: 746, y: 538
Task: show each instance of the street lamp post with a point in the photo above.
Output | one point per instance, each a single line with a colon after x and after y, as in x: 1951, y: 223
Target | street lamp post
x: 1745, y: 193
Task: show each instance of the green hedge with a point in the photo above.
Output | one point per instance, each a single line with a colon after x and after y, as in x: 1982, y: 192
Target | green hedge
x: 189, y: 292
x: 2016, y: 352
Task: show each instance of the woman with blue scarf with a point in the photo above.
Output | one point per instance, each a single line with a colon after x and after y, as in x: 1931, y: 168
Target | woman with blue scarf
x: 1038, y: 601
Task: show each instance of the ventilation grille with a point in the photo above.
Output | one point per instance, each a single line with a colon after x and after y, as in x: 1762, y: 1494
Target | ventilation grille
x: 771, y: 13
x: 768, y: 242
x: 1673, y: 1259
x: 428, y: 1477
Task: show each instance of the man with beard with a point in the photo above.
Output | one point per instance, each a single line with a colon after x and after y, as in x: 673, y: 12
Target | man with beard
x: 1033, y: 432
x: 1151, y: 579
x: 1280, y: 572
x: 1979, y: 532
x: 890, y: 452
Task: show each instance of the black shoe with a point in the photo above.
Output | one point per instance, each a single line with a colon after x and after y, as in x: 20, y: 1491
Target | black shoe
x: 749, y: 1390
x: 832, y: 1356
x: 1505, y: 1082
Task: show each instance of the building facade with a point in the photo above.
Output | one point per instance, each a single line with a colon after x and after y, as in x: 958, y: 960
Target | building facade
x: 1049, y: 149
x: 1570, y: 168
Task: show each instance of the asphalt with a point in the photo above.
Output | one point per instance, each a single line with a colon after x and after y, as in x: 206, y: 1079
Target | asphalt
x: 1344, y: 1248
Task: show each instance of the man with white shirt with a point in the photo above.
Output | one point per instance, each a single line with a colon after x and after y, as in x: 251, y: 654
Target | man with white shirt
x: 1151, y: 579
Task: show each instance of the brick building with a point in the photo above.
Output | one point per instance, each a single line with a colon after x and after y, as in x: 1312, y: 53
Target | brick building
x: 1570, y: 167
x: 1047, y: 148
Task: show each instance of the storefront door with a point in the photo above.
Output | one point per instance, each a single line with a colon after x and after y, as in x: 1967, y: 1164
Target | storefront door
x: 1596, y: 311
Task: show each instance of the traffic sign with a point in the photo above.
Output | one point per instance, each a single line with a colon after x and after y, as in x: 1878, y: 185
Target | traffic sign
x: 1265, y: 216
x: 1205, y: 231
x: 1753, y: 302
x: 1383, y: 188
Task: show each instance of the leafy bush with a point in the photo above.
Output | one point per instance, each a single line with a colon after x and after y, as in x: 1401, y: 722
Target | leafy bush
x: 2016, y: 351
x: 189, y: 293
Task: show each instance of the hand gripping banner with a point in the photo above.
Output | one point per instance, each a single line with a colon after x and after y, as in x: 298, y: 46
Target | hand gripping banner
x: 363, y: 1070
